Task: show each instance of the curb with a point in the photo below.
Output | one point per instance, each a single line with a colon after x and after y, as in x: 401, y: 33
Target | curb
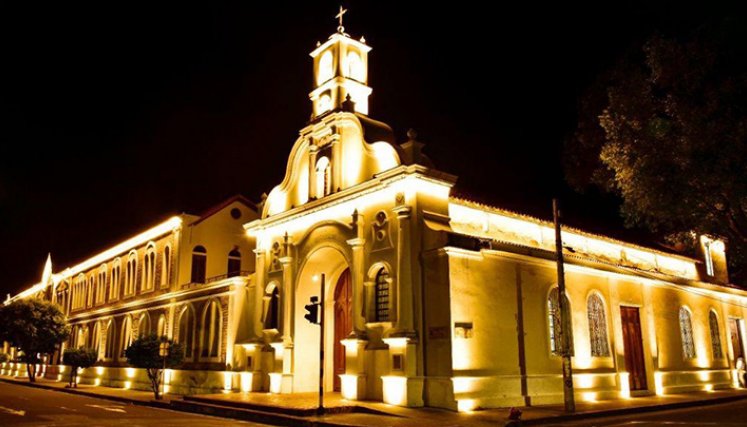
x: 632, y: 410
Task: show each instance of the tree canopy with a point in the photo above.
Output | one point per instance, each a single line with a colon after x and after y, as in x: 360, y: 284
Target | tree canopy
x: 35, y: 327
x: 666, y: 130
x: 78, y: 358
x: 144, y: 352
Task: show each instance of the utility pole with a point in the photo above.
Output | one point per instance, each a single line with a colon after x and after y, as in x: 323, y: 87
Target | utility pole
x: 570, y: 404
x: 320, y: 409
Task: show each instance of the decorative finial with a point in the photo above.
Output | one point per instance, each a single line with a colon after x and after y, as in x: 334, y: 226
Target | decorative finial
x: 340, y: 28
x: 363, y: 40
x: 412, y: 134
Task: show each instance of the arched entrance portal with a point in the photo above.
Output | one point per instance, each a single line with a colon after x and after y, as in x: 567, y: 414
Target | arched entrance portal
x: 330, y: 262
x: 343, y: 323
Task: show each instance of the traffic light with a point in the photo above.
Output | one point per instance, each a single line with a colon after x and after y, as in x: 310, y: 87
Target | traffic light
x: 313, y: 311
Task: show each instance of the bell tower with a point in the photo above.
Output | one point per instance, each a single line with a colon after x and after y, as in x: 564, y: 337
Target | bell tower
x: 340, y: 70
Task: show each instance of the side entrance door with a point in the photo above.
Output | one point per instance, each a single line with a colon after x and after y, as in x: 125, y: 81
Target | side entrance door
x: 735, y: 332
x: 343, y: 323
x: 633, y: 343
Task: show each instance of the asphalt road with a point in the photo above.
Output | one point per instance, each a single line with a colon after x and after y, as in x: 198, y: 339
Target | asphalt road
x: 726, y: 414
x: 26, y: 406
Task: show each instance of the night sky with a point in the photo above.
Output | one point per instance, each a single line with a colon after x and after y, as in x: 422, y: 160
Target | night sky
x: 116, y: 116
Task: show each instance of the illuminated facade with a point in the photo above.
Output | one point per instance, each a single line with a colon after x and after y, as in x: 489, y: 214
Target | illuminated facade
x: 430, y: 299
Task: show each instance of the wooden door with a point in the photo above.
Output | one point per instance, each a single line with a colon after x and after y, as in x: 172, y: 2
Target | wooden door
x: 343, y: 323
x: 633, y: 347
x: 735, y: 332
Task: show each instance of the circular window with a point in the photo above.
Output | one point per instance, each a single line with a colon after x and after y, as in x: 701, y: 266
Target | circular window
x: 235, y: 213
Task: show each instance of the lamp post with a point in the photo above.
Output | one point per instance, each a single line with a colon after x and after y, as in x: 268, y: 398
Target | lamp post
x: 163, y: 351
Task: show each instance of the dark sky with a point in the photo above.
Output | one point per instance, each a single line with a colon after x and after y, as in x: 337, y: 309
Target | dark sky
x: 116, y: 116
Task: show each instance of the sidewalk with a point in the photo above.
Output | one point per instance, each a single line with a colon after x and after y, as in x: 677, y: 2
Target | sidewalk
x: 296, y: 409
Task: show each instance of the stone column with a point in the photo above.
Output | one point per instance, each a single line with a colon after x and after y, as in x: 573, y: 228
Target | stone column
x: 357, y: 275
x: 404, y: 308
x: 313, y: 151
x: 259, y: 289
x: 287, y: 292
x: 336, y: 161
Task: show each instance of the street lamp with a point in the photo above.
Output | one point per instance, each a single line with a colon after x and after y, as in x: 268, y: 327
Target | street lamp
x: 163, y: 351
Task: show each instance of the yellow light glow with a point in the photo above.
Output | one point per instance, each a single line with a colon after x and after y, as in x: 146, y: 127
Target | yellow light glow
x: 466, y: 405
x: 659, y: 383
x: 349, y: 386
x: 315, y: 278
x: 166, y: 389
x: 395, y: 390
x: 59, y: 377
x: 142, y: 238
x: 62, y: 369
x: 275, y: 382
x: 463, y: 384
x: 99, y: 370
x: 481, y: 220
x: 130, y: 372
x: 589, y: 396
x: 708, y: 387
x: 127, y: 385
x: 396, y: 342
x: 97, y: 381
x: 227, y: 380
x: 382, y: 193
x: 704, y: 375
x: 584, y: 380
x: 246, y: 381
x: 625, y: 385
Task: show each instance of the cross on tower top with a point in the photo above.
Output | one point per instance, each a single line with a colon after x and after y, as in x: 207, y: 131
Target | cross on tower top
x: 339, y: 17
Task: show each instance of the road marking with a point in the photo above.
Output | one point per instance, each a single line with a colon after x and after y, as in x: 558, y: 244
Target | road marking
x: 110, y: 408
x: 12, y: 411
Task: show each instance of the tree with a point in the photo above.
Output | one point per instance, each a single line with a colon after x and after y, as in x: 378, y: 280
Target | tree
x: 35, y: 327
x: 78, y: 358
x: 666, y: 130
x: 144, y: 353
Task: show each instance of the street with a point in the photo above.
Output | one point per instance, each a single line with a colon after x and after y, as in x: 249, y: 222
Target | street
x: 27, y: 406
x: 726, y: 414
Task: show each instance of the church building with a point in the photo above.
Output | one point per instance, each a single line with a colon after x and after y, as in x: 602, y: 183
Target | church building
x: 428, y: 299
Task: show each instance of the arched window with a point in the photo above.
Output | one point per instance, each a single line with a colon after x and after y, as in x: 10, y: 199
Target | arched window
x: 718, y: 353
x: 166, y: 271
x: 101, y: 285
x: 161, y: 329
x: 114, y: 280
x: 272, y: 299
x: 355, y: 67
x: 597, y: 327
x: 149, y: 272
x: 381, y: 296
x: 131, y: 273
x: 211, y: 329
x: 199, y: 264
x: 324, y: 103
x: 323, y: 177
x: 686, y: 331
x: 186, y: 335
x: 80, y: 341
x: 325, y: 71
x: 96, y: 338
x: 79, y: 292
x: 555, y: 325
x: 91, y: 289
x: 143, y: 325
x: 111, y: 340
x: 125, y: 339
x: 234, y: 263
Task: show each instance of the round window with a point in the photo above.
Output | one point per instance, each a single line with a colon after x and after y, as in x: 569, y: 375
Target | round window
x: 235, y: 213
